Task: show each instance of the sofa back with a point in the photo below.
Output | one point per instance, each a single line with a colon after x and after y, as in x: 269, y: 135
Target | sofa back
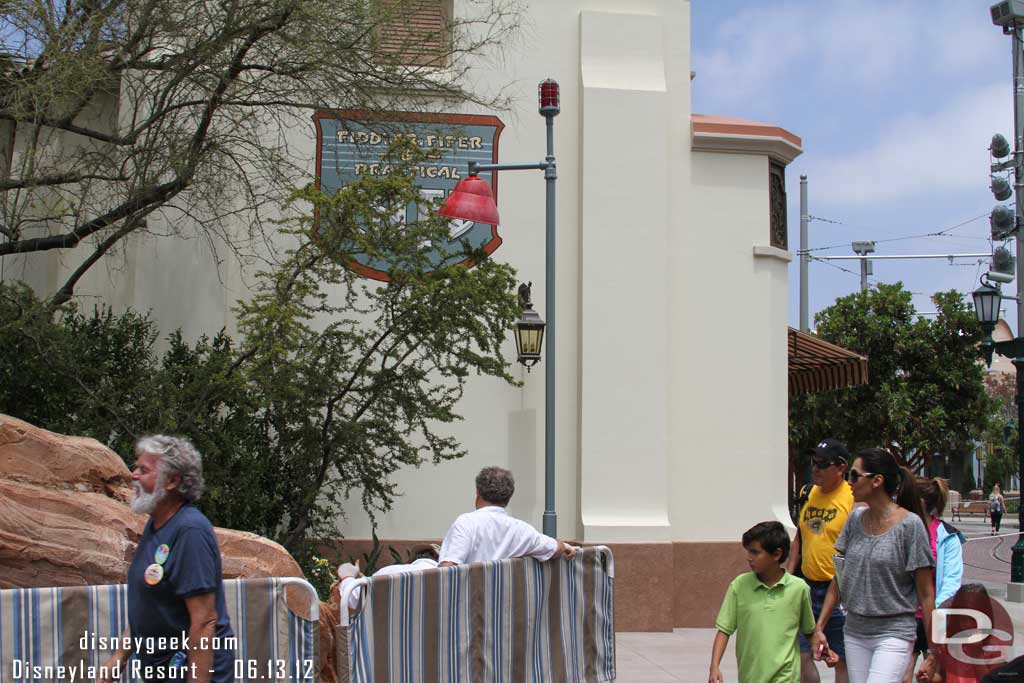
x: 506, y: 621
x: 56, y: 634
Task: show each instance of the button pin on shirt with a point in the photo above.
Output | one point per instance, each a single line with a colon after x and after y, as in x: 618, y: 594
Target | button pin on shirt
x: 154, y: 574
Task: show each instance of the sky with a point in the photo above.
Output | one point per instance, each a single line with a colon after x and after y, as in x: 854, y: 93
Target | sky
x: 896, y: 103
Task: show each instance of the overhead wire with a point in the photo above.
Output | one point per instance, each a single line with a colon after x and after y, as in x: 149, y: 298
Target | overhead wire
x: 943, y: 233
x: 845, y: 270
x: 939, y: 233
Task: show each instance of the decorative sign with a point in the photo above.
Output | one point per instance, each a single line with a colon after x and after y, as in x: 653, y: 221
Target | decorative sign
x: 350, y: 144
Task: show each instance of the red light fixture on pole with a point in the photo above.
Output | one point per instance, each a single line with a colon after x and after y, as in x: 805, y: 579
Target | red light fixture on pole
x: 547, y: 96
x: 471, y: 200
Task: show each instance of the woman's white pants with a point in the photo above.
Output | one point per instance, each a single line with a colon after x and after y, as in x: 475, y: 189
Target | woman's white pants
x: 876, y: 660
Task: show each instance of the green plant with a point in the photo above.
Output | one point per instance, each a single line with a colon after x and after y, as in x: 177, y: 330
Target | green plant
x: 319, y: 573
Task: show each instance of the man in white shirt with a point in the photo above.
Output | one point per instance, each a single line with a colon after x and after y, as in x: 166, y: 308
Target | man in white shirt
x: 489, y: 533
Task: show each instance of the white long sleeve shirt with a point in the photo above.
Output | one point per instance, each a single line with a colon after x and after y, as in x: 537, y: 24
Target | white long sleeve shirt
x: 419, y: 565
x: 489, y: 533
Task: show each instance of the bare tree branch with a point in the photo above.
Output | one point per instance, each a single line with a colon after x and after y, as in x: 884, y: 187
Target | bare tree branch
x: 126, y: 107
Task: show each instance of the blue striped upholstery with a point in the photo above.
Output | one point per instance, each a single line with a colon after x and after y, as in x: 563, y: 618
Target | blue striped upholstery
x: 509, y: 621
x: 44, y: 627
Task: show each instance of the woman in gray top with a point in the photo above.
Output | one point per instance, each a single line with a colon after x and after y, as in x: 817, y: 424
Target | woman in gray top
x: 886, y: 573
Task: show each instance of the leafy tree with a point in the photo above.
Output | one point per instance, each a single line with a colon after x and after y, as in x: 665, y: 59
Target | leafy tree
x: 926, y: 392
x: 1000, y: 464
x: 81, y: 374
x: 1000, y: 438
x: 356, y: 379
x: 335, y: 383
x: 173, y: 116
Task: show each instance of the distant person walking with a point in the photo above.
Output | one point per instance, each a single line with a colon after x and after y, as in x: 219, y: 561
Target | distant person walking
x: 820, y: 520
x: 996, y: 508
x: 886, y: 573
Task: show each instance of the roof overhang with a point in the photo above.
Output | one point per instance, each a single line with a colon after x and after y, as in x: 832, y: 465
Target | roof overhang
x: 738, y: 136
x: 815, y: 365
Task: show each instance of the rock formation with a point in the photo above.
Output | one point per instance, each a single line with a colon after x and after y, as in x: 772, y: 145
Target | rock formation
x: 64, y: 520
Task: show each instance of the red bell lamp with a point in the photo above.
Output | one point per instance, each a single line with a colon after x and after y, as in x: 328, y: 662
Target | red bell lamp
x: 471, y: 200
x: 547, y: 97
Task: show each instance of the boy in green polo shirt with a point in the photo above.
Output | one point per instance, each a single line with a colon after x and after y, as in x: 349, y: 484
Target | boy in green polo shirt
x: 768, y: 606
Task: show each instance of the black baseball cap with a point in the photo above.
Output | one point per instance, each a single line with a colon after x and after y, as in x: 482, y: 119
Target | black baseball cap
x: 831, y: 451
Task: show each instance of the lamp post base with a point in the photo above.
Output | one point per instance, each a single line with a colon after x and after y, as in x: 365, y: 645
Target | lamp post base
x: 1017, y: 561
x: 1015, y: 589
x: 1015, y: 592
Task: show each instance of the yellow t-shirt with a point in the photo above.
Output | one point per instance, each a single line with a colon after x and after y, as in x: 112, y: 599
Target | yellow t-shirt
x: 821, y: 520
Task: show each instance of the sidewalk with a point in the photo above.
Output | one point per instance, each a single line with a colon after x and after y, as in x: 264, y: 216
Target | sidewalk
x: 680, y: 656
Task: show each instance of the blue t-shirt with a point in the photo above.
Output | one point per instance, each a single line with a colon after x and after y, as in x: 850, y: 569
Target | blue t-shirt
x: 191, y: 566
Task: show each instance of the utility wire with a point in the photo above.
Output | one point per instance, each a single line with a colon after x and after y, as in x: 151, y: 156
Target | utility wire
x: 845, y: 270
x: 940, y: 233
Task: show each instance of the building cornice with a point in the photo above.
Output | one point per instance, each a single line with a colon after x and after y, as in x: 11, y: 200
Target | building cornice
x: 737, y: 136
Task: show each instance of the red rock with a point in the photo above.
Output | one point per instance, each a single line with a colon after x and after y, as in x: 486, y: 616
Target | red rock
x: 36, y: 456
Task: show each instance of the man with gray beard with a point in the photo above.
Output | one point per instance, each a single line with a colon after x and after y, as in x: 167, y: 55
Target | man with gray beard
x: 175, y: 587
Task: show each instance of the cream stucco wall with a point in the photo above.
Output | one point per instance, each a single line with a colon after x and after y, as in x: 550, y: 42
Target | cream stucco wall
x: 730, y: 383
x: 671, y: 355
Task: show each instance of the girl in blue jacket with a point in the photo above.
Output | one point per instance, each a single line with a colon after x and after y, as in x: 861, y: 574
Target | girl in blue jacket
x: 947, y: 547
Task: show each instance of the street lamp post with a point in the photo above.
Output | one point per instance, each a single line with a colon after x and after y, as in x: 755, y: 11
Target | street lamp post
x: 472, y: 200
x: 986, y: 306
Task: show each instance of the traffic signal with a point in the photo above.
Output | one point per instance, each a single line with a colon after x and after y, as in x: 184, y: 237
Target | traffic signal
x: 1003, y: 265
x: 1002, y: 219
x: 1001, y: 188
x: 1000, y: 147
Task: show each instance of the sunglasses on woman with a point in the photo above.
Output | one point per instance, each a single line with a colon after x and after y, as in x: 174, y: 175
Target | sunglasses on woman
x: 854, y: 476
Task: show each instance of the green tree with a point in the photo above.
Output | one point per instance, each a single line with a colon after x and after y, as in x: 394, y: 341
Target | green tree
x: 84, y: 374
x: 1000, y: 439
x: 926, y: 391
x: 335, y: 383
x: 356, y: 379
x: 175, y: 116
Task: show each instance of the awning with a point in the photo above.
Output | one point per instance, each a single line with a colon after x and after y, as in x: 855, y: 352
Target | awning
x: 816, y: 365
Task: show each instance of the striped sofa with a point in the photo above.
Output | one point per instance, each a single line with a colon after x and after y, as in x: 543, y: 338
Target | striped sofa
x: 57, y: 634
x: 511, y: 621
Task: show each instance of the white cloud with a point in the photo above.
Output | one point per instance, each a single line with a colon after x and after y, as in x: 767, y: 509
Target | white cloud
x: 867, y: 46
x: 918, y: 155
x: 748, y: 56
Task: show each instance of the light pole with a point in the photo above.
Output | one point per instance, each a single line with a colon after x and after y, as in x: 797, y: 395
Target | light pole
x: 987, y: 299
x: 472, y: 200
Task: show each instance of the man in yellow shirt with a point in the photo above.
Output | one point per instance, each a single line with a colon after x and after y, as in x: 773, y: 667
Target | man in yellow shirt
x: 821, y: 519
